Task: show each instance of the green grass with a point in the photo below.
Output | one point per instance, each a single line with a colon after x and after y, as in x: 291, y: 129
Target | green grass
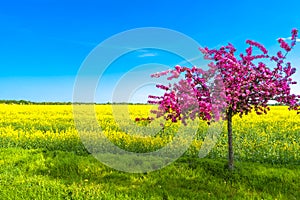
x: 42, y: 157
x: 44, y: 174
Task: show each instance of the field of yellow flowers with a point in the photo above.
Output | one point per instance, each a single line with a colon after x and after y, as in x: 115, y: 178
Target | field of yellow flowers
x: 272, y: 138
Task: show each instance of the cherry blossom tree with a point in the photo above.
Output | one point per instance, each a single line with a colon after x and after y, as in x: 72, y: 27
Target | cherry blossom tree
x: 231, y: 85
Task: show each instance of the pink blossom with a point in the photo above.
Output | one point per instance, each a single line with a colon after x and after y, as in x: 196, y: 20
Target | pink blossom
x: 240, y: 84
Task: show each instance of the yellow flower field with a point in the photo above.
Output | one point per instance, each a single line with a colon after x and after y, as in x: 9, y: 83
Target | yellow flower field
x: 273, y: 138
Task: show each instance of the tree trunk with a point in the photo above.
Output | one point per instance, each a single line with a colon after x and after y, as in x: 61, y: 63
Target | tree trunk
x: 230, y: 147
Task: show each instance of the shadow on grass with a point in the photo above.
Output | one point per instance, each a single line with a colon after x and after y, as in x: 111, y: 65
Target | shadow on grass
x: 187, y: 178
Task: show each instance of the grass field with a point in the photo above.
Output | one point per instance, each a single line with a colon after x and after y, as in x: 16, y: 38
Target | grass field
x: 42, y: 157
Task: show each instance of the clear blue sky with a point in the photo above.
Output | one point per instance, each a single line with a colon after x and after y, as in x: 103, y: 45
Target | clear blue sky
x: 44, y: 42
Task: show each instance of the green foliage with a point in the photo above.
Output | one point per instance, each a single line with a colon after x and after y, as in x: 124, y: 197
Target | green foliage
x: 42, y: 174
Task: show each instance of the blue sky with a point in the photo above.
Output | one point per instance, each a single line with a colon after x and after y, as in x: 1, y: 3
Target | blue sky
x: 44, y: 42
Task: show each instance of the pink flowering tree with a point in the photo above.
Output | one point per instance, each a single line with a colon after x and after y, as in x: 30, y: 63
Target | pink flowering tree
x: 232, y: 85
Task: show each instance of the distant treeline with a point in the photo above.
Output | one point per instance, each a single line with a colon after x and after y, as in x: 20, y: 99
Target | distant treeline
x: 25, y: 102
